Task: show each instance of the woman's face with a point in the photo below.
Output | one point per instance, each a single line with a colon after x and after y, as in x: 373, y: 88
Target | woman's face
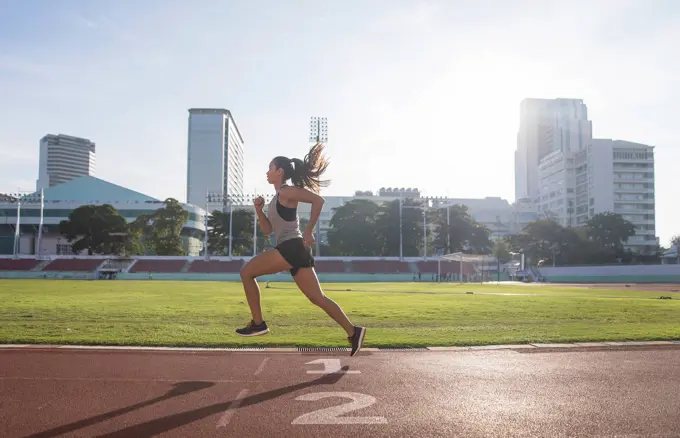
x: 274, y: 175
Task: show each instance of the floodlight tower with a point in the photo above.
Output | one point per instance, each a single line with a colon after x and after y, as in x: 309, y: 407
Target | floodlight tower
x: 318, y: 130
x: 318, y: 133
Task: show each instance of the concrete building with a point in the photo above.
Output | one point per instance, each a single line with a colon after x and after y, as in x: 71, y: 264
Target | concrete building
x: 63, y: 158
x: 606, y: 176
x: 621, y: 180
x: 214, y: 156
x: 546, y: 126
x: 62, y: 199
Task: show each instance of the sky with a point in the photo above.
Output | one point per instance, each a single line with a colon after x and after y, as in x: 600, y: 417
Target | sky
x: 419, y: 94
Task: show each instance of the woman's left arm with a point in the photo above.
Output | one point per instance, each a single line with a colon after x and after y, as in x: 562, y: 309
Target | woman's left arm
x: 304, y: 195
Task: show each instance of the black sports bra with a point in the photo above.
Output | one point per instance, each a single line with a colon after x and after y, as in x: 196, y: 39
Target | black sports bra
x: 286, y: 213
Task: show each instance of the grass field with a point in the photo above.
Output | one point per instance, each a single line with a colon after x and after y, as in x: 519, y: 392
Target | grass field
x: 397, y: 314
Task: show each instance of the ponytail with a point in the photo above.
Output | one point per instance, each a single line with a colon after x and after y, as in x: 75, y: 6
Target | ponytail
x: 307, y: 173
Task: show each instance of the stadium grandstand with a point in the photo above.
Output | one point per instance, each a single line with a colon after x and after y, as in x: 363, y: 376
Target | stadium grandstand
x: 20, y: 257
x: 60, y: 200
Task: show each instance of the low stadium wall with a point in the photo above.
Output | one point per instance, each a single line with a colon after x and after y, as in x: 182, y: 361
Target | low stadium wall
x: 566, y: 274
x: 325, y: 278
x: 611, y: 274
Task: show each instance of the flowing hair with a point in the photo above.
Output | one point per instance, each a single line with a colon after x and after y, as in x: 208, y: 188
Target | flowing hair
x: 305, y: 173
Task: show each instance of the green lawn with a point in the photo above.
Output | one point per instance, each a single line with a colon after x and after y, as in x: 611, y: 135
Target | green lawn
x: 397, y: 315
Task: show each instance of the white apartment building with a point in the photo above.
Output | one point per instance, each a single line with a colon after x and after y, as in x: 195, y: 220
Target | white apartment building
x: 546, y: 126
x: 606, y: 176
x: 214, y: 156
x: 621, y: 180
x: 63, y: 158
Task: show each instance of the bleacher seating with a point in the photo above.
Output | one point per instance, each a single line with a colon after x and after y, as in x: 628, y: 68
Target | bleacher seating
x: 18, y: 264
x: 380, y: 267
x: 79, y: 265
x: 215, y: 266
x: 158, y: 265
x: 330, y: 266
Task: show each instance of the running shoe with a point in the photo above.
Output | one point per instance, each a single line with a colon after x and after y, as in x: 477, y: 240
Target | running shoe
x: 253, y: 329
x: 357, y: 339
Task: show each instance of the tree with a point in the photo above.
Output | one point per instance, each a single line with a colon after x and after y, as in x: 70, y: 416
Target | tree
x: 546, y: 240
x: 387, y: 228
x: 166, y: 228
x: 88, y: 227
x: 610, y: 230
x: 599, y: 241
x: 139, y: 232
x: 353, y: 230
x: 242, y: 232
x: 501, y: 250
x: 460, y: 232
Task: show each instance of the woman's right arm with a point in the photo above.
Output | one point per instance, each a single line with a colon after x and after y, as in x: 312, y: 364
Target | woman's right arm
x: 262, y: 219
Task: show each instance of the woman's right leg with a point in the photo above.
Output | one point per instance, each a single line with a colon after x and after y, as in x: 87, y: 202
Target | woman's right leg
x: 308, y: 283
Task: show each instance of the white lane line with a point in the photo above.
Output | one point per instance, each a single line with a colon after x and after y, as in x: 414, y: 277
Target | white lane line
x: 104, y: 379
x: 226, y: 417
x: 259, y: 369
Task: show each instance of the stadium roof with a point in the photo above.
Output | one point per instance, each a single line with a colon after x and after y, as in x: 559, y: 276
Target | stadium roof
x: 7, y: 198
x: 89, y: 188
x: 466, y: 257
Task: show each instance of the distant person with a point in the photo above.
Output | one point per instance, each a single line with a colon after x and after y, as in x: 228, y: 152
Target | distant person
x: 293, y: 247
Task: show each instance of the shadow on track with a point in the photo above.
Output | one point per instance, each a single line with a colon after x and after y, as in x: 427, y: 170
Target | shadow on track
x: 177, y: 390
x: 169, y: 422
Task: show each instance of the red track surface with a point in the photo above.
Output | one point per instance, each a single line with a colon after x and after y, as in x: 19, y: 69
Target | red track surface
x: 204, y: 394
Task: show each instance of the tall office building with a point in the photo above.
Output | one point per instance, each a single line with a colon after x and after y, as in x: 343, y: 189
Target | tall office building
x: 546, y: 126
x: 214, y: 155
x: 63, y: 158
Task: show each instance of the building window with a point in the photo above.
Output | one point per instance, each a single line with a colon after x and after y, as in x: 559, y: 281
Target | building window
x: 64, y: 249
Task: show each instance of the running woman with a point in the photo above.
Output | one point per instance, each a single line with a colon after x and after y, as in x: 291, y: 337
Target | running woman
x: 293, y: 247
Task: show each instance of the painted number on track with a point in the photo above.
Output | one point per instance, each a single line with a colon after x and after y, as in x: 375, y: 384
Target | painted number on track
x: 330, y: 366
x: 333, y: 414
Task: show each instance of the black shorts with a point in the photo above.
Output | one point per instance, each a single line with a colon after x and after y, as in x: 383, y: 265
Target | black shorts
x: 296, y: 254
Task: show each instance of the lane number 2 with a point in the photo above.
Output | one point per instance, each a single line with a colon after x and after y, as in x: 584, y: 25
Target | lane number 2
x: 332, y: 415
x: 330, y: 366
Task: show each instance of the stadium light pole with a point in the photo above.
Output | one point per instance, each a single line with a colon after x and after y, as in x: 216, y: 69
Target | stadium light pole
x: 28, y: 197
x: 206, y: 254
x: 223, y: 200
x: 401, y: 233
x: 318, y: 133
x: 17, y: 234
x: 231, y: 221
x: 40, y: 224
x: 448, y: 229
x: 424, y: 234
